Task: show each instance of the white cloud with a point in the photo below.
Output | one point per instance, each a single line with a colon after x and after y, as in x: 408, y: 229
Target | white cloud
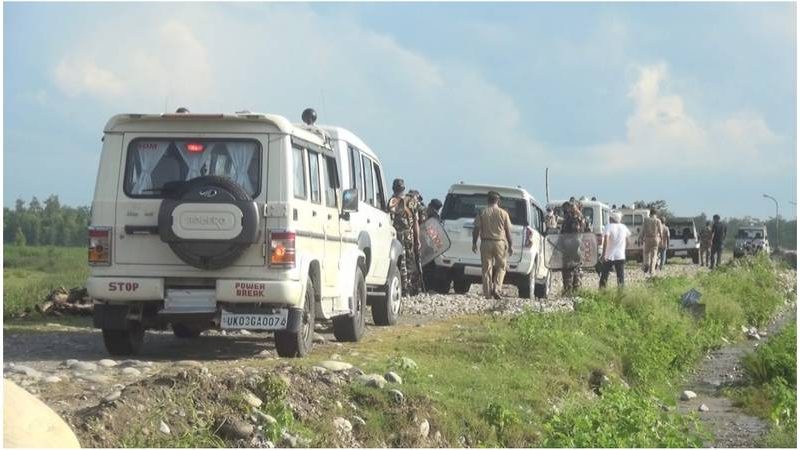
x: 76, y: 76
x: 661, y: 133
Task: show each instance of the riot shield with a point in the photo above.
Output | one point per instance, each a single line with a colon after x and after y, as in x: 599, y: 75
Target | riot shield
x: 433, y: 240
x: 570, y: 250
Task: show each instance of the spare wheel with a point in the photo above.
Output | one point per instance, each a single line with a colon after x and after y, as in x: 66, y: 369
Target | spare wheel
x: 208, y: 222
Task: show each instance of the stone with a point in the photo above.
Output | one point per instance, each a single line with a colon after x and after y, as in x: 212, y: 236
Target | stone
x: 107, y: 363
x: 392, y: 377
x: 163, y: 427
x: 84, y: 366
x: 245, y: 333
x: 94, y: 378
x: 687, y: 395
x: 27, y: 371
x: 33, y: 424
x: 407, y: 363
x: 289, y: 440
x: 703, y: 408
x: 112, y: 397
x: 319, y: 339
x: 52, y: 379
x: 234, y: 428
x: 342, y: 425
x: 424, y: 429
x: 264, y: 354
x: 188, y: 363
x: 131, y: 372
x: 266, y: 418
x: 396, y: 396
x: 335, y: 366
x: 319, y: 370
x: 372, y: 380
x: 358, y: 421
x: 252, y: 400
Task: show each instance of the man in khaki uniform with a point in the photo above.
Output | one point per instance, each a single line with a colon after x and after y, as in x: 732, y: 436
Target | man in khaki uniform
x: 663, y: 245
x: 493, y: 226
x: 651, y: 236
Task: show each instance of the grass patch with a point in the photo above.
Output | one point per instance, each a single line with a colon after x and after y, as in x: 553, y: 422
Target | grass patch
x: 30, y: 273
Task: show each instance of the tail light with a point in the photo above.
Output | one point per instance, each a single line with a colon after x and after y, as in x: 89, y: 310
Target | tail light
x: 100, y: 246
x: 281, y: 249
x: 528, y: 237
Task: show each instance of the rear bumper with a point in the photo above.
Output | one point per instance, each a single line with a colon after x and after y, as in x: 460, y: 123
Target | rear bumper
x: 126, y: 289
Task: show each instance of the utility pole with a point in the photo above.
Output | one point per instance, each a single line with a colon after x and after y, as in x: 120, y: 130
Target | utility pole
x: 777, y: 225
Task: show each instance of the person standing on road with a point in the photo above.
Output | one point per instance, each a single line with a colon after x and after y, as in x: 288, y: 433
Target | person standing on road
x: 493, y: 226
x: 615, y: 239
x: 651, y: 236
x: 403, y: 214
x: 551, y: 222
x: 705, y: 244
x: 434, y: 207
x: 718, y: 233
x: 573, y: 224
x: 664, y: 245
x: 422, y: 212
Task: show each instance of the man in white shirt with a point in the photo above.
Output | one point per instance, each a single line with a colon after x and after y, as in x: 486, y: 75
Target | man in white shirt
x: 615, y: 238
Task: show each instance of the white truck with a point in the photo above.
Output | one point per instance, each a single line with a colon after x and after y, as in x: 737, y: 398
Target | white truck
x: 237, y: 221
x: 461, y: 267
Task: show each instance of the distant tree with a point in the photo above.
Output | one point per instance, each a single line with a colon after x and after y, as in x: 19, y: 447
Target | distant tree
x: 53, y: 224
x: 19, y: 238
x: 19, y: 206
x: 34, y: 206
x: 659, y: 205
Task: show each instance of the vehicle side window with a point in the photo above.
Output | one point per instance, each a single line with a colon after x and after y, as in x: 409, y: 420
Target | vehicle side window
x: 539, y: 216
x: 369, y: 182
x: 313, y: 170
x: 331, y: 182
x: 299, y: 173
x: 355, y: 173
x: 381, y: 196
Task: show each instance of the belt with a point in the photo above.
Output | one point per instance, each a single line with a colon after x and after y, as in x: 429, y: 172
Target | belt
x: 490, y: 239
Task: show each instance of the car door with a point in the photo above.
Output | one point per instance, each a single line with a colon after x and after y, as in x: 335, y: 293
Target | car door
x: 331, y: 219
x: 538, y: 240
x: 376, y: 223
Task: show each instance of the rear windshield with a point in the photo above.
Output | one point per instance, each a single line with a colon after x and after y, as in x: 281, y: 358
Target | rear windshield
x: 632, y: 220
x: 460, y: 206
x: 151, y: 163
x: 750, y: 234
x: 681, y: 230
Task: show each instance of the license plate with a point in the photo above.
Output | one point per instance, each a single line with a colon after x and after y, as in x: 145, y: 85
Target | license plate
x: 681, y: 253
x: 274, y: 321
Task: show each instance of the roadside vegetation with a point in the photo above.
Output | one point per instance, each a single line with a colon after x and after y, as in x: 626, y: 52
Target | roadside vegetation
x: 771, y: 389
x: 31, y: 273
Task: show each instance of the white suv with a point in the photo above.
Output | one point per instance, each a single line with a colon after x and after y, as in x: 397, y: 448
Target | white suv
x: 236, y: 221
x: 683, y: 239
x: 459, y: 265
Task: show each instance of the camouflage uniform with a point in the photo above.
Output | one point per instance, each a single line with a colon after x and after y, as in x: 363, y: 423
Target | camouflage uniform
x: 705, y: 245
x: 422, y: 212
x: 403, y: 214
x: 573, y: 223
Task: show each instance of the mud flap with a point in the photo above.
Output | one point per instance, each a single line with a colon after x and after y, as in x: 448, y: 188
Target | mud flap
x: 111, y: 317
x: 294, y: 321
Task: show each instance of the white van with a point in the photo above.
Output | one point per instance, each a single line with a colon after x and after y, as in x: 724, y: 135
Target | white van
x: 634, y: 219
x: 683, y: 239
x: 461, y: 267
x: 233, y: 221
x: 595, y: 212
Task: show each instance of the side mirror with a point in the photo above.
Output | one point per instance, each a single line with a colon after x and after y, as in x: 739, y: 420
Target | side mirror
x: 350, y: 200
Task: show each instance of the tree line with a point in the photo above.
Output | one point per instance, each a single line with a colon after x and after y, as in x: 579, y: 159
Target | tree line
x: 45, y: 223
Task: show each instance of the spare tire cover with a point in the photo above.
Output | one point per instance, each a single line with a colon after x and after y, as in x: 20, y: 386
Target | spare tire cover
x: 208, y: 222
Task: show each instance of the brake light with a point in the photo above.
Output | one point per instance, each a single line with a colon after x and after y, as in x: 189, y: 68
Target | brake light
x: 282, y: 251
x: 195, y: 147
x: 100, y: 246
x: 528, y: 237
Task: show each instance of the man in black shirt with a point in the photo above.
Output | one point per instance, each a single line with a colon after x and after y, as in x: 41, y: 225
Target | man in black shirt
x: 718, y: 232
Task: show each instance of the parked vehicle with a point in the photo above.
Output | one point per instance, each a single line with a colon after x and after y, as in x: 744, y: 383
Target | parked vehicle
x: 633, y: 219
x: 236, y: 221
x: 751, y: 240
x: 461, y: 267
x: 683, y: 239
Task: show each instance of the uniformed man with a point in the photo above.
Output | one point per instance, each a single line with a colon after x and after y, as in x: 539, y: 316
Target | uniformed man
x: 705, y: 244
x: 420, y: 206
x: 718, y: 233
x: 403, y: 213
x: 551, y: 222
x: 663, y: 245
x: 573, y: 224
x: 651, y: 236
x: 493, y: 226
x: 434, y: 207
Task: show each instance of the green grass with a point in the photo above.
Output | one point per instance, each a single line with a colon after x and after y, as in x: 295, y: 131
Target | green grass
x: 525, y: 381
x: 30, y: 273
x: 771, y: 390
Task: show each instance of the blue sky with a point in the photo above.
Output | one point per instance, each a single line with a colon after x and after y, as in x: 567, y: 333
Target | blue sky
x: 691, y: 103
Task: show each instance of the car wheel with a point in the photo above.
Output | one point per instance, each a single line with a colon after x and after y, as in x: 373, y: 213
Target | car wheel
x: 350, y: 327
x: 386, y: 308
x: 290, y: 344
x: 540, y: 290
x: 185, y: 331
x: 461, y: 286
x: 696, y: 257
x: 124, y: 342
x: 524, y: 286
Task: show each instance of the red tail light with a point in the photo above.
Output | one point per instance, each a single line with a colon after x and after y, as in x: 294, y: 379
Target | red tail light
x: 281, y: 249
x: 528, y: 237
x: 100, y: 246
x: 195, y: 147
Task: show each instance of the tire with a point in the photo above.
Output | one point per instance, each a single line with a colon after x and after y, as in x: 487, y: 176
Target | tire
x: 441, y: 282
x: 350, y: 327
x: 185, y: 331
x: 124, y: 342
x: 696, y: 257
x: 524, y: 286
x: 386, y: 308
x: 297, y: 344
x: 461, y: 286
x: 540, y: 290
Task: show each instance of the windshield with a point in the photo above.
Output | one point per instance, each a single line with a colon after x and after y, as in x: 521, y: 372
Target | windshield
x: 588, y: 214
x: 459, y: 206
x: 152, y: 163
x: 750, y: 234
x: 632, y: 220
x: 681, y: 230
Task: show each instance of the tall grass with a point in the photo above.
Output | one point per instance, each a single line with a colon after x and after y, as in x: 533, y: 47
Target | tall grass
x: 30, y: 273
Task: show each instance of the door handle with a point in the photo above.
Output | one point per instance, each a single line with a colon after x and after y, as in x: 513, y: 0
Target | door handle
x: 329, y: 217
x: 380, y: 224
x: 313, y: 214
x: 368, y: 221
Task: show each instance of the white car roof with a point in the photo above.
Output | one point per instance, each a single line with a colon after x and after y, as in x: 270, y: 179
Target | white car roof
x: 585, y: 203
x: 504, y: 191
x: 343, y: 134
